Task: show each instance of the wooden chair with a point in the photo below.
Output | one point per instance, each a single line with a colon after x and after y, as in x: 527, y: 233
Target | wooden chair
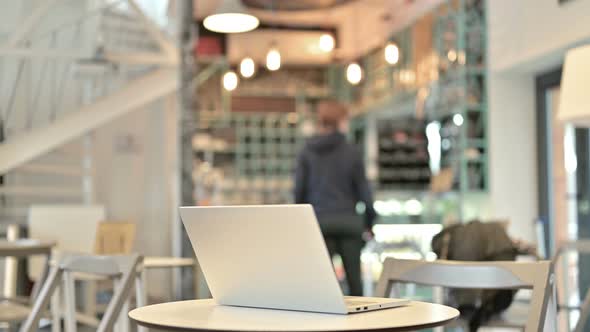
x: 537, y: 276
x: 114, y: 238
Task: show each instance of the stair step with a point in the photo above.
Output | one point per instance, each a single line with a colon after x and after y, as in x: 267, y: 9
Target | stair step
x: 57, y: 159
x: 35, y: 191
x: 25, y: 201
x: 13, y: 212
x: 51, y: 169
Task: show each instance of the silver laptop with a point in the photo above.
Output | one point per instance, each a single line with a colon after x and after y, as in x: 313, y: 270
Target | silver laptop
x: 270, y: 256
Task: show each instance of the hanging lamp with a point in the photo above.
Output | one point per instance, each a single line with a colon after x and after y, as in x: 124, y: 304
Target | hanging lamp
x: 231, y: 17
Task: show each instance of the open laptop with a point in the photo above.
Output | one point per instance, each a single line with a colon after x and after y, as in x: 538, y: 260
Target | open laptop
x: 270, y: 256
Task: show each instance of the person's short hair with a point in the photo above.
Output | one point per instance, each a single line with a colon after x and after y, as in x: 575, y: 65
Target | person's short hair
x: 330, y: 113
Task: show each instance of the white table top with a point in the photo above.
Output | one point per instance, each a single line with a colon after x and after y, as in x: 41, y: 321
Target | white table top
x: 205, y: 315
x: 25, y: 247
x: 152, y: 262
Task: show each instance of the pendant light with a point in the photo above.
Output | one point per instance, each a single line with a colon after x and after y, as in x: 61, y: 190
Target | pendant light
x: 326, y: 43
x: 392, y: 53
x: 230, y: 81
x: 354, y: 73
x: 273, y: 58
x: 247, y: 67
x: 231, y: 17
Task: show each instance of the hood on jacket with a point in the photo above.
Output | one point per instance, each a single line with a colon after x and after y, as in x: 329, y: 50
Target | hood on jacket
x: 325, y: 143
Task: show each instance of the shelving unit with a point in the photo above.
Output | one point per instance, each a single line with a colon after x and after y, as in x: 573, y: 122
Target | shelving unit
x: 453, y: 97
x: 255, y: 159
x: 403, y: 156
x: 460, y: 42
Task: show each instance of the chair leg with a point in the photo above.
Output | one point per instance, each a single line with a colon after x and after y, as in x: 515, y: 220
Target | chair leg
x: 11, y: 265
x: 90, y: 287
x: 550, y: 324
x: 122, y: 324
x: 55, y: 310
x: 69, y: 302
x: 141, y: 294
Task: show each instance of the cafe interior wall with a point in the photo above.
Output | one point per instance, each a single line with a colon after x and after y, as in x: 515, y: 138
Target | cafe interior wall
x: 525, y: 38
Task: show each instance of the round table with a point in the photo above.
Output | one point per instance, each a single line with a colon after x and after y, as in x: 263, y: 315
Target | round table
x: 206, y: 315
x: 25, y: 247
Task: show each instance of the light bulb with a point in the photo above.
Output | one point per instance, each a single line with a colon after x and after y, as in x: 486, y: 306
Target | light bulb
x: 326, y: 43
x: 273, y: 59
x: 452, y: 55
x: 230, y: 81
x: 392, y: 53
x: 458, y: 119
x: 354, y: 73
x: 247, y: 67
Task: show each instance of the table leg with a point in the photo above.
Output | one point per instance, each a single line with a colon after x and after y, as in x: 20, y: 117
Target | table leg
x: 11, y: 265
x: 438, y: 294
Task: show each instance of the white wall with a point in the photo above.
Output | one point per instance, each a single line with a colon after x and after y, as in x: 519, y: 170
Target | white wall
x: 526, y: 38
x: 134, y: 162
x: 531, y: 35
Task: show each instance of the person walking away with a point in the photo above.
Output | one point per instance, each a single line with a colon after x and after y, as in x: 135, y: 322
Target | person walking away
x: 330, y: 175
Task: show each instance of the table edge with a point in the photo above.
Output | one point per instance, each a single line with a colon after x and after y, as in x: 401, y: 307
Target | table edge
x: 385, y: 329
x: 185, y: 329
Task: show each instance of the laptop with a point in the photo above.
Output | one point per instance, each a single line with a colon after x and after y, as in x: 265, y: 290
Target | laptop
x: 270, y: 256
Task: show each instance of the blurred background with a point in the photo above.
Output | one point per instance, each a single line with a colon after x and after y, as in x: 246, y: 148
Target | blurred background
x: 139, y: 106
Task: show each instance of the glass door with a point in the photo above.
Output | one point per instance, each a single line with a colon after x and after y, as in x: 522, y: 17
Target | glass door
x: 564, y: 191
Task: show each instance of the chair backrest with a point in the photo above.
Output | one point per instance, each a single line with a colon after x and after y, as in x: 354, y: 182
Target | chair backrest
x: 71, y: 227
x: 114, y: 238
x: 537, y: 276
x: 123, y: 269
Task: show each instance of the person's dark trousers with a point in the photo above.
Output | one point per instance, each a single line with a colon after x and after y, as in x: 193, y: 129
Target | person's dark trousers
x: 349, y: 249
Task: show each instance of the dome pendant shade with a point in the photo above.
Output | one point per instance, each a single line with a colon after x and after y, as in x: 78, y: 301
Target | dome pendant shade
x: 231, y: 17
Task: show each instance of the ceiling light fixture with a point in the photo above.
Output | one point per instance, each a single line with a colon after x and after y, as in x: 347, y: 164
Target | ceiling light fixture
x: 230, y: 81
x: 326, y: 43
x: 354, y: 73
x: 273, y: 58
x: 247, y: 67
x: 392, y: 53
x: 231, y: 17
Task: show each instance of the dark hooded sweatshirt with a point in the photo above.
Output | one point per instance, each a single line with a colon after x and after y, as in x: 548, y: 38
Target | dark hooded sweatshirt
x: 330, y: 175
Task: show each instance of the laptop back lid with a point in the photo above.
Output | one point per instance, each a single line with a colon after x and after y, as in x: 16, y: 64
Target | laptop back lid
x: 270, y: 256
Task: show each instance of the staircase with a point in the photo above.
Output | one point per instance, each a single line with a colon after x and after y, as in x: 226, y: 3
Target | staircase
x: 52, y: 97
